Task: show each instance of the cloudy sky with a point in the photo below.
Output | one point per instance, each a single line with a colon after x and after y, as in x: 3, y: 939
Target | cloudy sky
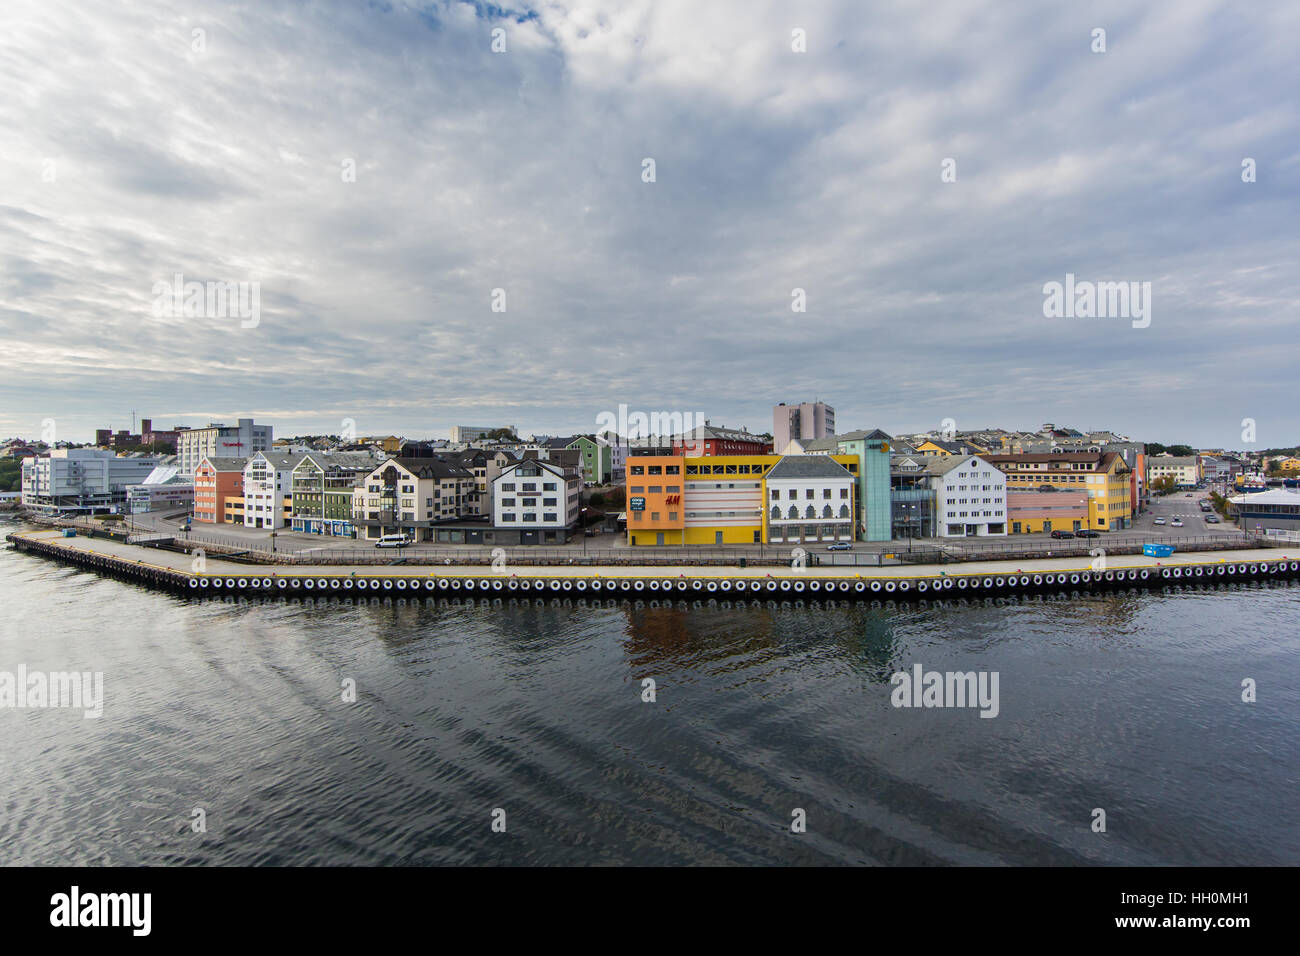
x: 378, y: 170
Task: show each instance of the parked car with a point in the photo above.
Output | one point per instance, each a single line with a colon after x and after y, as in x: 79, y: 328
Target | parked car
x: 1189, y: 495
x: 1062, y: 534
x: 1211, y: 519
x: 1085, y: 533
x: 839, y: 546
x: 393, y: 541
x: 1158, y: 521
x: 1177, y: 522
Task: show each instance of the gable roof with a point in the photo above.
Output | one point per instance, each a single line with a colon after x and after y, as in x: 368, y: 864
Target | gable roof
x: 808, y: 466
x: 224, y: 464
x: 862, y: 433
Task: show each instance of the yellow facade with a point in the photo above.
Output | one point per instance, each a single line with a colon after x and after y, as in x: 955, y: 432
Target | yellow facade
x: 1110, y: 505
x: 930, y: 448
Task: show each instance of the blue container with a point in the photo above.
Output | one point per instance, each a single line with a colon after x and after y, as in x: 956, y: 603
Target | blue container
x: 1158, y: 550
x: 69, y: 532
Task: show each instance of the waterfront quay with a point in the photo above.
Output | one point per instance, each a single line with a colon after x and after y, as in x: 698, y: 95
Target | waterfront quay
x: 181, y: 572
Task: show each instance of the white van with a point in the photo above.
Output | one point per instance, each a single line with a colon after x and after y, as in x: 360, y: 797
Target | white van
x: 393, y: 541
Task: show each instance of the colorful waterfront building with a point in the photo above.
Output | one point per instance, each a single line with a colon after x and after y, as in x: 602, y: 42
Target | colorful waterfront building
x: 219, y: 490
x: 1103, y: 476
x: 872, y: 494
x: 705, y: 499
x: 321, y: 491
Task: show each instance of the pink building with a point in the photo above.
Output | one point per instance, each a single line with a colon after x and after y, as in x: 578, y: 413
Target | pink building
x: 1030, y: 511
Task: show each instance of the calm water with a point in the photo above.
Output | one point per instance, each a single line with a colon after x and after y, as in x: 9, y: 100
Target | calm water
x: 1128, y: 702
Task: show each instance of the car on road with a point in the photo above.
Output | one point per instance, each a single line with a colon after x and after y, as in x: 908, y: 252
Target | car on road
x: 1189, y: 495
x: 1085, y: 533
x: 1211, y: 519
x: 1062, y: 534
x: 1177, y: 522
x: 839, y: 546
x: 393, y: 541
x: 1158, y: 521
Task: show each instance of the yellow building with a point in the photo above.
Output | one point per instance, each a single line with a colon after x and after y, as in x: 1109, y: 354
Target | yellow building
x: 946, y: 448
x: 706, y: 500
x: 1102, y: 475
x: 1289, y: 466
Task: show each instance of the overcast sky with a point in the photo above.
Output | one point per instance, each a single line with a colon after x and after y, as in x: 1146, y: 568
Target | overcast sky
x: 133, y: 149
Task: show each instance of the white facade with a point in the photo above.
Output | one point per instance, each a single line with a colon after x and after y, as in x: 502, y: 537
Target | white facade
x: 970, y: 498
x: 221, y: 441
x: 86, y: 480
x: 268, y: 481
x: 809, y: 499
x: 535, y: 495
x: 1184, y: 470
x: 721, y: 501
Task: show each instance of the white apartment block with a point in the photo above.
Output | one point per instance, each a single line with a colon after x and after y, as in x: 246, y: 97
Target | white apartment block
x: 410, y: 495
x: 268, y: 489
x: 534, y: 495
x: 221, y: 441
x: 970, y: 497
x: 1186, y: 471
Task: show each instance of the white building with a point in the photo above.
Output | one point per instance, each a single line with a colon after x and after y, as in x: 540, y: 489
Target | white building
x: 163, y: 489
x: 539, y: 499
x: 970, y: 496
x: 81, y: 480
x: 469, y: 433
x: 617, y: 458
x: 809, y: 499
x: 1185, y: 471
x: 411, y: 495
x: 268, y: 489
x: 221, y: 441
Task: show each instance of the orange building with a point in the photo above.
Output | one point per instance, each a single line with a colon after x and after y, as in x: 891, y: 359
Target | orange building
x: 657, y: 511
x: 218, y: 487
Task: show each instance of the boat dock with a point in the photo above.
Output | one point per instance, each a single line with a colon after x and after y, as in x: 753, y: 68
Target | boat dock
x: 181, y: 572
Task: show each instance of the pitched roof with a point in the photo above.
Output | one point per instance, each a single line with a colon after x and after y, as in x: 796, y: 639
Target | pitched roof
x: 429, y: 467
x: 864, y: 434
x: 818, y: 444
x: 225, y: 464
x: 808, y: 466
x: 280, y: 461
x: 941, y: 466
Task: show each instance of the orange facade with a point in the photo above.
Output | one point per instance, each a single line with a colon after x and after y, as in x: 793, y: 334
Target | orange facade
x: 212, y: 488
x: 658, y: 509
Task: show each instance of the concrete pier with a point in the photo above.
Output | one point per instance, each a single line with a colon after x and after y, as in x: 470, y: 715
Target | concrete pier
x: 180, y: 572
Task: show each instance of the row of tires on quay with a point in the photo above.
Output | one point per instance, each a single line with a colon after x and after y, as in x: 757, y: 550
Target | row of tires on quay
x: 716, y: 587
x: 809, y: 586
